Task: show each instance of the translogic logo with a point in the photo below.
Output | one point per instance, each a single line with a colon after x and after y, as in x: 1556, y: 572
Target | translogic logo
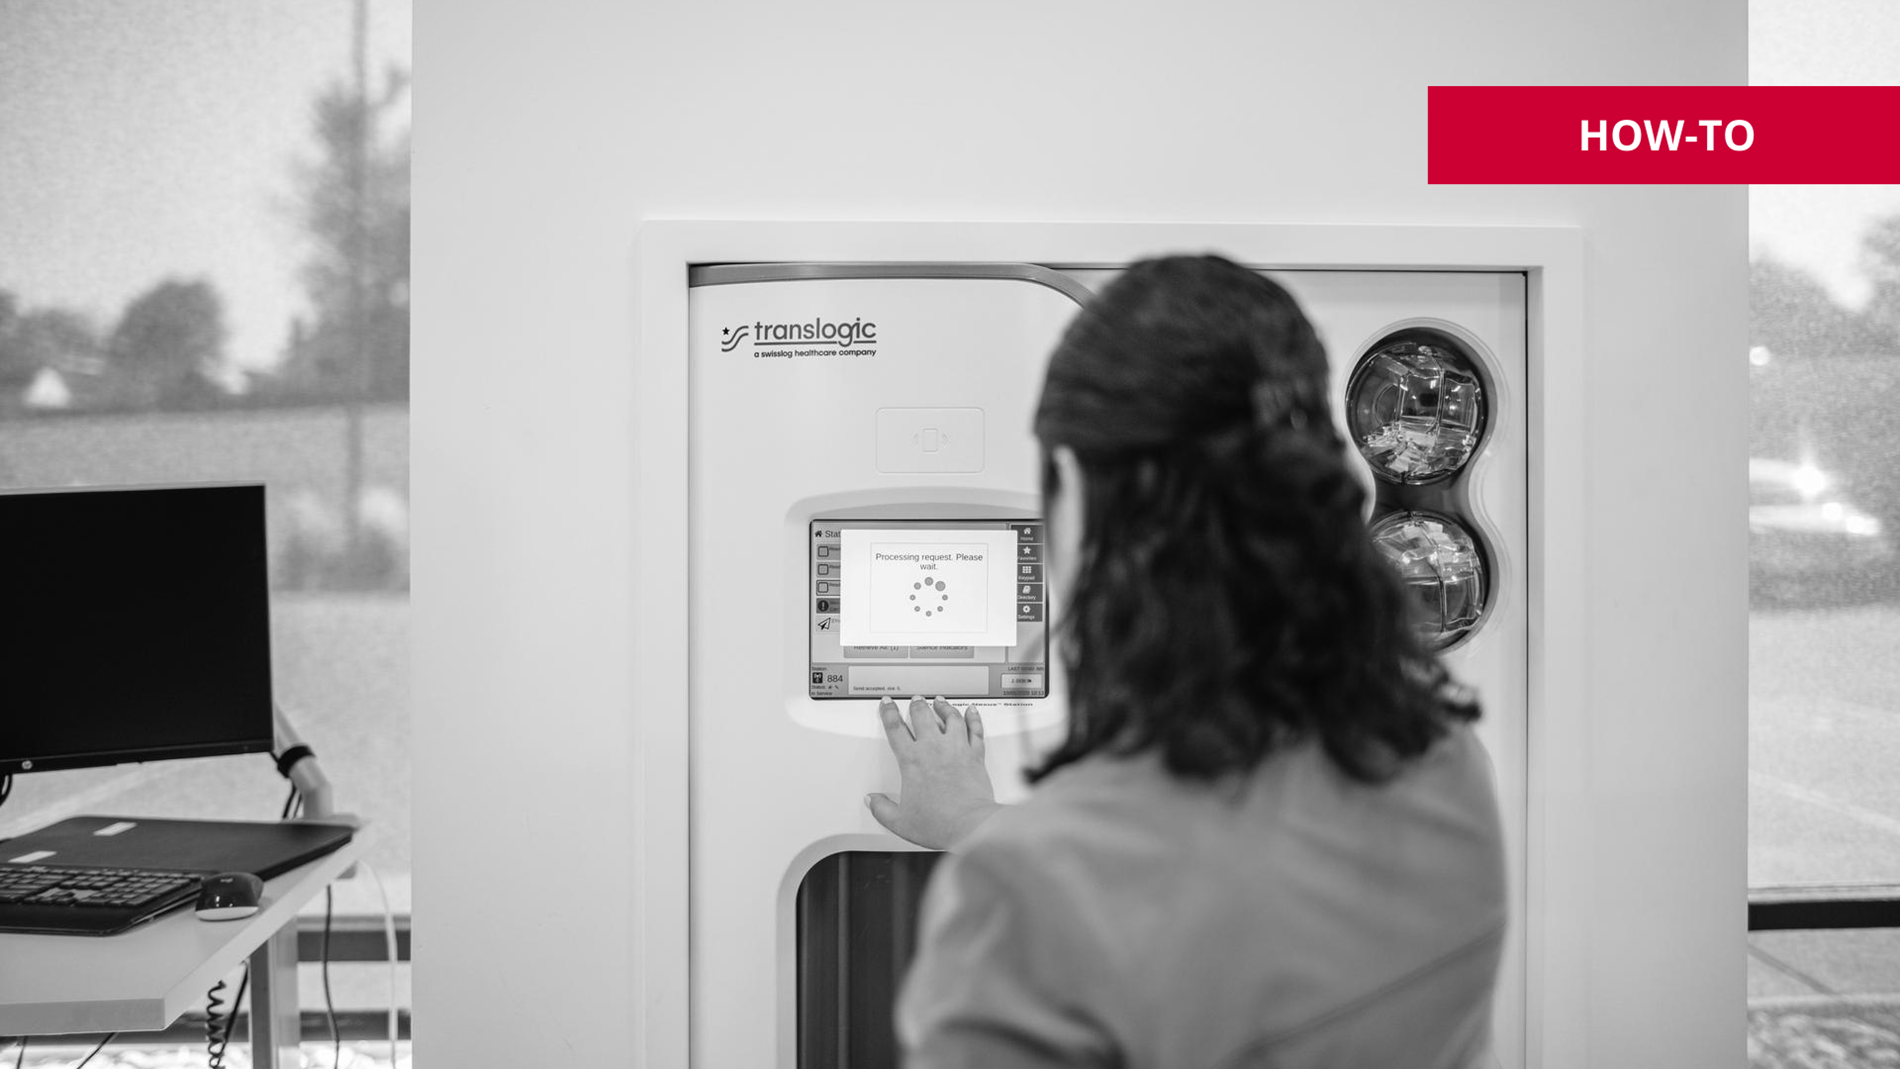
x: 816, y: 337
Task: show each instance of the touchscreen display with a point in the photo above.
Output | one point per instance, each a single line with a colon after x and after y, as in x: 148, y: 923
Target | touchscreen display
x: 950, y: 608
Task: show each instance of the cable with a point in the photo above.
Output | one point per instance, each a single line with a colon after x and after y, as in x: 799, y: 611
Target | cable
x: 95, y: 1050
x: 389, y: 944
x: 218, y: 1027
x: 329, y: 1005
x: 6, y: 788
x: 20, y: 1060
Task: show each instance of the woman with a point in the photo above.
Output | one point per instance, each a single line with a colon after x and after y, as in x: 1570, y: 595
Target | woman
x: 1269, y: 838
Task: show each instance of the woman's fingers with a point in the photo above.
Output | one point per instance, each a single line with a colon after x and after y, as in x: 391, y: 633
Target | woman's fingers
x: 884, y: 810
x: 894, y: 727
x: 953, y: 724
x: 927, y: 713
x: 924, y: 716
x: 964, y: 725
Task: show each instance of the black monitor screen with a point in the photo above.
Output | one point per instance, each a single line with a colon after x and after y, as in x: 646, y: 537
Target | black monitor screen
x: 135, y: 626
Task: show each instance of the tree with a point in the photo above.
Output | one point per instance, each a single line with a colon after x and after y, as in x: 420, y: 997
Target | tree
x: 49, y: 337
x: 14, y: 367
x: 358, y: 230
x: 56, y: 337
x: 167, y: 344
x: 1880, y: 257
x: 1791, y: 313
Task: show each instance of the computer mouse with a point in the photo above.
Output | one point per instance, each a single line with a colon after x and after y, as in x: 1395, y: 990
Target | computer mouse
x: 229, y: 896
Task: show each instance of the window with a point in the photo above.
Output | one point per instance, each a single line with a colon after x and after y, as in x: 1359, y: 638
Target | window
x: 1824, y: 571
x: 204, y: 277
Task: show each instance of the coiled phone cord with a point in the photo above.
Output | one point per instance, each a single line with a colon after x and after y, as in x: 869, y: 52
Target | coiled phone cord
x: 218, y: 1026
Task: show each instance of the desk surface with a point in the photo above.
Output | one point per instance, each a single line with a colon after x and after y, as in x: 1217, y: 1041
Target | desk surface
x: 144, y: 979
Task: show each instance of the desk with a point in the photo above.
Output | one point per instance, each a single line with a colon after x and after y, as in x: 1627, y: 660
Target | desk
x: 146, y: 978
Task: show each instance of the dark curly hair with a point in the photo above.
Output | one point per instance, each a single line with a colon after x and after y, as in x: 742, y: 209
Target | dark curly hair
x: 1227, y: 601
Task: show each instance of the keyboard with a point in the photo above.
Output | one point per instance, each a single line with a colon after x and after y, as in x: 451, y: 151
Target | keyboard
x: 86, y: 900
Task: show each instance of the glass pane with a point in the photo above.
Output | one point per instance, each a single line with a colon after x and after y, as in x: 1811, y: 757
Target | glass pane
x: 204, y: 277
x: 1824, y: 527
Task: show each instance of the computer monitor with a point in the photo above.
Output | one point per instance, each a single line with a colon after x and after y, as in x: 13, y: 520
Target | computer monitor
x: 134, y: 625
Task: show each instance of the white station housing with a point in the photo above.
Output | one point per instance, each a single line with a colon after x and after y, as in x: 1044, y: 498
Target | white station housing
x: 863, y: 522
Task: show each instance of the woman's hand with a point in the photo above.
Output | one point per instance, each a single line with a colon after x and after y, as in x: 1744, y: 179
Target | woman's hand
x: 945, y: 788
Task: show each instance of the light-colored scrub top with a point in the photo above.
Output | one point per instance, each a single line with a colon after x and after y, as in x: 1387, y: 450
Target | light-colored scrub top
x: 1295, y: 919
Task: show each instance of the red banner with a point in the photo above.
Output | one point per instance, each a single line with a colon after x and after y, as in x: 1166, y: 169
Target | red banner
x: 1539, y: 135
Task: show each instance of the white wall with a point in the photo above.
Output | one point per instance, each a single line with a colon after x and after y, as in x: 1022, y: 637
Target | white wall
x: 546, y: 132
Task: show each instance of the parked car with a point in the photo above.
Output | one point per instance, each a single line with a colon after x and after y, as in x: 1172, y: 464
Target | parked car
x: 1805, y: 538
